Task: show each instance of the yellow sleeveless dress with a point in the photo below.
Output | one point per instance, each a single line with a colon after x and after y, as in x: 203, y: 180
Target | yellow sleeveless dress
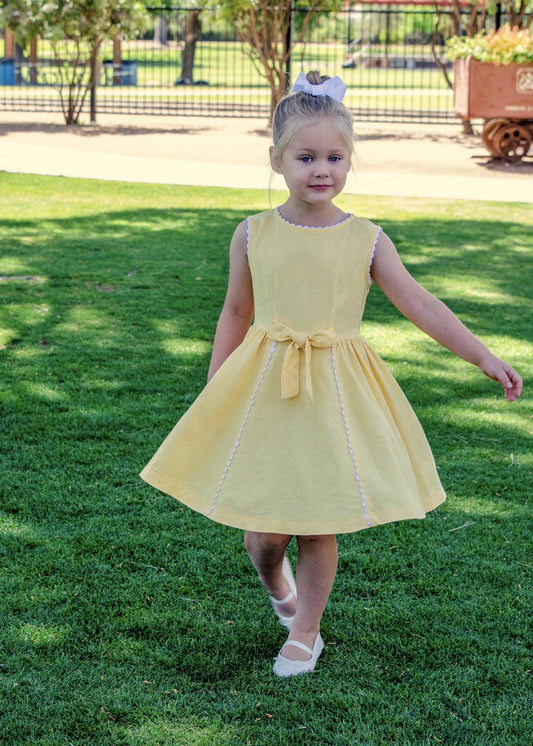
x: 303, y: 430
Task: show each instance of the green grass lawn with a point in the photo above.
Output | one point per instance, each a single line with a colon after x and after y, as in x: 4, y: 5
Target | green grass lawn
x: 126, y: 620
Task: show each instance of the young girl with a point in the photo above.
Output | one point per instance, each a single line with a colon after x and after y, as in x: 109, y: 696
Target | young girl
x: 301, y: 430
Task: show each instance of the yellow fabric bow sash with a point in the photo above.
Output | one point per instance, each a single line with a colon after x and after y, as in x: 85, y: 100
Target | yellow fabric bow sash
x: 290, y: 370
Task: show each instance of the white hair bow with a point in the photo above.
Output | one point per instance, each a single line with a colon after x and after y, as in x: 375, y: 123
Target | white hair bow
x: 333, y: 87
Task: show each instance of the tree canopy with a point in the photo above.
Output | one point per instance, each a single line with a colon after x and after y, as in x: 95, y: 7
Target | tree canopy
x: 75, y: 30
x: 268, y: 30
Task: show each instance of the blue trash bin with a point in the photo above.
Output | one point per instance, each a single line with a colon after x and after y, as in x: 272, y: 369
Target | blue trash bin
x: 129, y: 72
x: 7, y: 72
x: 122, y: 73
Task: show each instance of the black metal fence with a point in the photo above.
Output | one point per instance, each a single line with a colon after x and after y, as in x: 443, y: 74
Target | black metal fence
x: 384, y: 53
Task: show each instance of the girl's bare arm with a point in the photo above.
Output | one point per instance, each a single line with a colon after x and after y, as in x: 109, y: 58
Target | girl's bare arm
x: 238, y: 309
x: 435, y: 318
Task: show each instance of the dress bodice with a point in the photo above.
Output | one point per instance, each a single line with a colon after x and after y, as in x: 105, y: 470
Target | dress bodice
x: 310, y: 278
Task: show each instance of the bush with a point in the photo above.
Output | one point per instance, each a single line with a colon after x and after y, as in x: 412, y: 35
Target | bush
x: 506, y: 46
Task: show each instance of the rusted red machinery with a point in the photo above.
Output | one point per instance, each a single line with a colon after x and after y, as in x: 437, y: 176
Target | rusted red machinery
x: 502, y: 95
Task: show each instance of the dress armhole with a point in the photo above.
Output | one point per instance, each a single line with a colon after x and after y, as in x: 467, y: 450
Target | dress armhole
x: 372, y: 253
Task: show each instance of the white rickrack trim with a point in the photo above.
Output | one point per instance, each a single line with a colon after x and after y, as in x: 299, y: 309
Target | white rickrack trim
x: 314, y: 227
x: 349, y: 440
x: 378, y: 234
x: 248, y: 237
x: 238, y: 440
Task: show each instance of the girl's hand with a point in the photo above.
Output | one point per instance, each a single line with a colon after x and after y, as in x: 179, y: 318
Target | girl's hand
x: 502, y: 372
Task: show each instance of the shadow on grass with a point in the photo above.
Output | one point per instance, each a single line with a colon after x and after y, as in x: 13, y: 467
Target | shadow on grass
x: 133, y: 606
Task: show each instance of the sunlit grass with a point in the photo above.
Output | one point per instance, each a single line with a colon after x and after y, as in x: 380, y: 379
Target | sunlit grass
x: 129, y: 620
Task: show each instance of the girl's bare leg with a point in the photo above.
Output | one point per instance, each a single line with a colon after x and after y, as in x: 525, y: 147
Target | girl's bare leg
x: 266, y: 552
x: 315, y: 573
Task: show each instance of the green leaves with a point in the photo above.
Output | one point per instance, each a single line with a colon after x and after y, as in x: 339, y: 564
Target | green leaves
x: 80, y: 20
x: 76, y: 29
x: 506, y: 46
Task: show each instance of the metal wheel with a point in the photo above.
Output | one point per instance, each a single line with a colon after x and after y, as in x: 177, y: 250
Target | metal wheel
x: 512, y: 142
x: 489, y: 131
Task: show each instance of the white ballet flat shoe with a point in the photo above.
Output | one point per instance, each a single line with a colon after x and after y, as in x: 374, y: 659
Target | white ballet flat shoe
x: 285, y: 667
x: 286, y: 571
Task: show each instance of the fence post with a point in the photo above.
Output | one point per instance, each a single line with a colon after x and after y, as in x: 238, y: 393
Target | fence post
x: 498, y: 16
x: 95, y: 67
x: 93, y: 101
x: 288, y: 47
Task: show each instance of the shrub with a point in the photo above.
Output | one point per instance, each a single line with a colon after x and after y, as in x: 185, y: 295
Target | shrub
x: 506, y: 46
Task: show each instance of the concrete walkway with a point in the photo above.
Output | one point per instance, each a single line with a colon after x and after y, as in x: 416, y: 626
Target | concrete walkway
x: 391, y: 159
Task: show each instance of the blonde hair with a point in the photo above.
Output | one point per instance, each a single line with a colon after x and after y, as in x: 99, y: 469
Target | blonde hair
x: 296, y: 108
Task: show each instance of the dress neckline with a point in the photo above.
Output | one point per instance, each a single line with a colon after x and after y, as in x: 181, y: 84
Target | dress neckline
x: 314, y: 227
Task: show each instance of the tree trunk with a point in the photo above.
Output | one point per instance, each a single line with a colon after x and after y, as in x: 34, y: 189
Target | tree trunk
x: 278, y: 90
x: 93, y: 83
x: 117, y: 60
x: 34, y: 58
x: 9, y: 44
x: 193, y: 32
x: 265, y: 28
x: 161, y: 31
